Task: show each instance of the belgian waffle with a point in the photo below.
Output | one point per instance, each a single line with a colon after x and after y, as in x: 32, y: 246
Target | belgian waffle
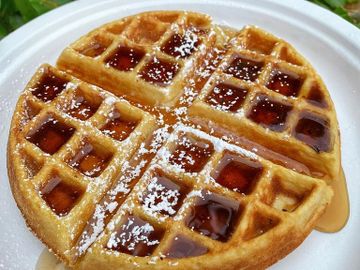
x: 164, y: 141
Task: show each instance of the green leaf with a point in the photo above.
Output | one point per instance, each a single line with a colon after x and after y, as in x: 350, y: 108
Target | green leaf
x: 343, y: 13
x: 42, y: 6
x: 26, y: 10
x: 338, y: 7
x: 321, y: 3
x: 15, y: 21
x: 336, y: 3
x: 7, y: 7
x: 352, y: 1
x: 3, y: 29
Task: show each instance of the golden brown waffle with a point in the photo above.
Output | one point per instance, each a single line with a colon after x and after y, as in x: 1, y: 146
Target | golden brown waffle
x: 129, y: 53
x: 215, y: 152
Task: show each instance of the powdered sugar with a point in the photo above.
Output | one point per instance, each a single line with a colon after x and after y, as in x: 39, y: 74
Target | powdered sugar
x: 159, y: 198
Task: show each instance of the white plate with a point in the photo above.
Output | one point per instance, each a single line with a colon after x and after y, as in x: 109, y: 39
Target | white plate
x: 331, y: 44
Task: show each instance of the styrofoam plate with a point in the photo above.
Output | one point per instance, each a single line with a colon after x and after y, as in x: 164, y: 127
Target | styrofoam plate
x: 331, y: 44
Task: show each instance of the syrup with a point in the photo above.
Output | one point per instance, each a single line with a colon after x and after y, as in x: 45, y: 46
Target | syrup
x: 214, y: 216
x: 313, y: 131
x: 208, y: 68
x: 159, y: 72
x: 118, y: 128
x: 245, y: 69
x: 227, y: 97
x: 245, y: 143
x: 163, y: 196
x: 285, y: 83
x: 183, y: 247
x: 51, y: 135
x: 60, y: 196
x: 191, y: 155
x: 49, y: 87
x: 82, y: 109
x: 93, y: 49
x: 181, y: 46
x: 316, y: 97
x: 48, y: 261
x: 115, y: 196
x: 124, y: 58
x: 136, y: 237
x: 338, y: 211
x: 269, y: 113
x: 237, y: 173
x: 89, y: 161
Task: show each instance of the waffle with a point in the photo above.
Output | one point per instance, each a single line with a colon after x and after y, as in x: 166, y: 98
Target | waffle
x: 164, y: 141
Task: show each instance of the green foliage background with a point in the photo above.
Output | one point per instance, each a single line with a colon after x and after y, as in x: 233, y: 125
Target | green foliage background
x: 14, y: 13
x: 338, y: 7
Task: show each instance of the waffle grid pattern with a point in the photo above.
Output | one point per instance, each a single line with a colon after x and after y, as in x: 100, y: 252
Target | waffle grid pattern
x: 275, y: 201
x: 270, y: 57
x: 148, y: 35
x: 46, y: 165
x: 159, y: 180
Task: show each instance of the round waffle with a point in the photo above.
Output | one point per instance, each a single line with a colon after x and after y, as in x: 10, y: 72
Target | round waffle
x: 164, y: 141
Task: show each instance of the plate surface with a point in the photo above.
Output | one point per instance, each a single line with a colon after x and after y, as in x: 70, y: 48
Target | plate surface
x: 331, y: 44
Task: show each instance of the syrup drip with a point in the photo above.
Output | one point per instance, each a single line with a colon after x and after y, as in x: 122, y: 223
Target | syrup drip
x: 269, y: 113
x: 163, y: 196
x: 313, y: 131
x: 237, y: 173
x: 60, y: 196
x: 245, y: 69
x: 118, y: 128
x: 89, y: 161
x: 82, y: 109
x: 48, y: 261
x: 287, y: 84
x: 182, y: 247
x: 227, y: 97
x: 191, y: 155
x: 338, y: 211
x: 49, y: 87
x: 159, y: 72
x: 136, y: 237
x: 125, y: 59
x: 214, y: 216
x: 51, y: 135
x: 181, y: 46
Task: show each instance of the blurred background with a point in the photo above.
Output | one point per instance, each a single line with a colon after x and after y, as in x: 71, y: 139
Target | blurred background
x: 14, y: 13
